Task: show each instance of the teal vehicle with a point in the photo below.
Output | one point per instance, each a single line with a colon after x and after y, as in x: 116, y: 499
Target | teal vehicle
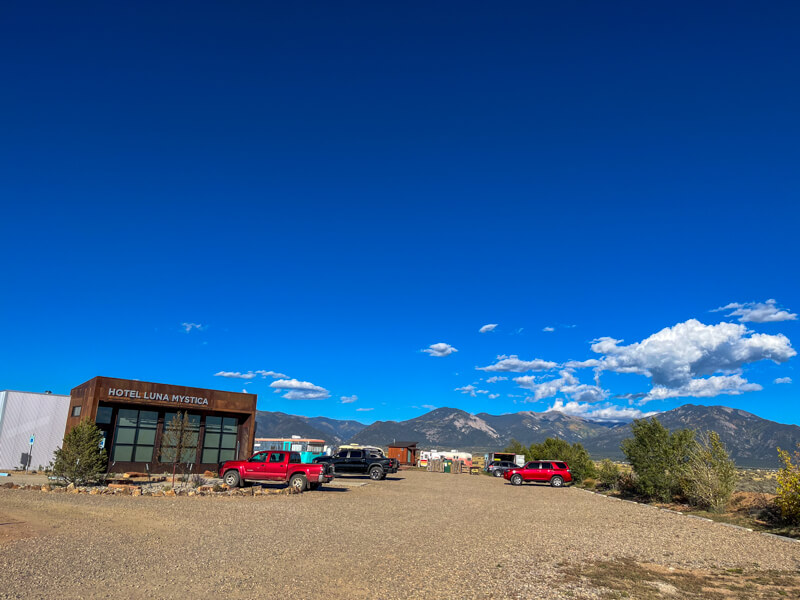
x: 308, y: 448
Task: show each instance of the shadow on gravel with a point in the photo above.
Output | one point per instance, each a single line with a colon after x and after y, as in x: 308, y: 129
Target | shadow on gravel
x: 368, y: 478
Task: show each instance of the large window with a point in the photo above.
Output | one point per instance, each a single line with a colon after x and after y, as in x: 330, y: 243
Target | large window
x: 219, y: 443
x: 135, y: 435
x: 171, y: 436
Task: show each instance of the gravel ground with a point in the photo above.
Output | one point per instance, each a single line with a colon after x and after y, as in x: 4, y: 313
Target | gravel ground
x: 415, y: 535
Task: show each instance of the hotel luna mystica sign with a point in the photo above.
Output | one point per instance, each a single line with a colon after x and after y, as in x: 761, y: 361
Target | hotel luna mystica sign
x: 159, y: 397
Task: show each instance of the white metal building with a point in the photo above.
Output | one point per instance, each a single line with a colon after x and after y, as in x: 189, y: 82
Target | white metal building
x: 26, y: 414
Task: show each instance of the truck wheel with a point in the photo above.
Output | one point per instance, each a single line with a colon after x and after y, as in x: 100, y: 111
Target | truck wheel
x: 516, y: 479
x: 314, y: 486
x: 557, y: 481
x: 298, y: 482
x: 376, y: 473
x: 232, y: 479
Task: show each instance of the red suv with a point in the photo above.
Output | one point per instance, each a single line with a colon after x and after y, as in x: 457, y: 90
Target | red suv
x: 554, y: 472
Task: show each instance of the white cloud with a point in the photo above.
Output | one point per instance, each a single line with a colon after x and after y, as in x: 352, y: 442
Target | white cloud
x: 235, y: 374
x: 493, y: 396
x: 364, y: 409
x: 548, y: 329
x: 757, y: 312
x: 440, y: 349
x: 566, y: 384
x: 429, y: 406
x: 496, y: 378
x: 244, y: 391
x: 471, y: 390
x: 514, y: 364
x: 707, y: 387
x: 783, y: 380
x: 488, y: 328
x: 676, y: 355
x: 607, y: 412
x: 349, y: 399
x: 272, y: 374
x: 300, y: 390
x: 187, y: 327
x: 250, y: 374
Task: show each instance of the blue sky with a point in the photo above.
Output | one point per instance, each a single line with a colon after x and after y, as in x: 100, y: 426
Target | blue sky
x: 324, y: 191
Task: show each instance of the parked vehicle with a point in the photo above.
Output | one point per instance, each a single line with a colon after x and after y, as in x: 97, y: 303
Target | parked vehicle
x: 498, y: 468
x: 309, y: 448
x: 362, y: 462
x: 554, y: 472
x: 277, y: 466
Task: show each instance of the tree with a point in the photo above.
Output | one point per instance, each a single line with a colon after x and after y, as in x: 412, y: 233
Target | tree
x: 517, y: 448
x: 710, y: 476
x: 80, y: 460
x: 178, y: 442
x: 788, y: 498
x: 658, y: 458
x: 608, y: 474
x: 575, y: 455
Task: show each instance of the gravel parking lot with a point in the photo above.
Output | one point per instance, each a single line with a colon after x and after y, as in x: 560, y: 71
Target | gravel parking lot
x: 415, y: 535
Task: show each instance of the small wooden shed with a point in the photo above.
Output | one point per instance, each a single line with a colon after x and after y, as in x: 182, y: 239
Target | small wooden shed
x: 406, y: 453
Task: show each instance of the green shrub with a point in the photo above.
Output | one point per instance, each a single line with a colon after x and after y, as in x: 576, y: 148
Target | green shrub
x: 80, y: 460
x: 788, y: 498
x: 575, y: 455
x: 608, y: 474
x: 710, y: 476
x: 658, y: 458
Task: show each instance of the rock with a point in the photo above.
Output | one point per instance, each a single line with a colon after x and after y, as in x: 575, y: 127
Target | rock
x: 205, y: 488
x: 170, y: 493
x: 122, y: 487
x: 8, y: 485
x: 209, y: 474
x: 70, y: 487
x: 132, y: 474
x: 191, y: 493
x: 46, y: 488
x: 136, y: 492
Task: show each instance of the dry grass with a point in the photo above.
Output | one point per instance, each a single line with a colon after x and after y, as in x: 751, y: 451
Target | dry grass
x: 628, y: 579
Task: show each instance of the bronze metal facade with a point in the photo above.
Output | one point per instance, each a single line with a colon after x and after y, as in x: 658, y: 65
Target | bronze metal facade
x: 133, y: 416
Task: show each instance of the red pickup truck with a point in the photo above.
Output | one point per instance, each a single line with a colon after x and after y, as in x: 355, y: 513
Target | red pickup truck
x: 277, y: 466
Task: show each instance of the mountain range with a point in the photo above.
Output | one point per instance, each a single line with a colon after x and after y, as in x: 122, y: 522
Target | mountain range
x: 751, y: 440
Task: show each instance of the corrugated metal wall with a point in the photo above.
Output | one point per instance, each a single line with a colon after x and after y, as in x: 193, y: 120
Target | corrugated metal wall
x: 25, y: 413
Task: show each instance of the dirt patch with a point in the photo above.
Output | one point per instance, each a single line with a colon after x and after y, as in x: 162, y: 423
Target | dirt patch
x: 13, y: 528
x: 647, y: 581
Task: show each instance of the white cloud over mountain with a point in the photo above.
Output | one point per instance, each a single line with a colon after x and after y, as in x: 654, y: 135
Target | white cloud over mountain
x: 706, y: 387
x: 757, y: 312
x: 607, y: 412
x: 440, y: 349
x: 676, y: 355
x: 471, y: 390
x: 515, y: 365
x: 566, y: 384
x: 300, y: 390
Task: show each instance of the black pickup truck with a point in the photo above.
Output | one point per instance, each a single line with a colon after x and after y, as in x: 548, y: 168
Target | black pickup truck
x: 361, y: 462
